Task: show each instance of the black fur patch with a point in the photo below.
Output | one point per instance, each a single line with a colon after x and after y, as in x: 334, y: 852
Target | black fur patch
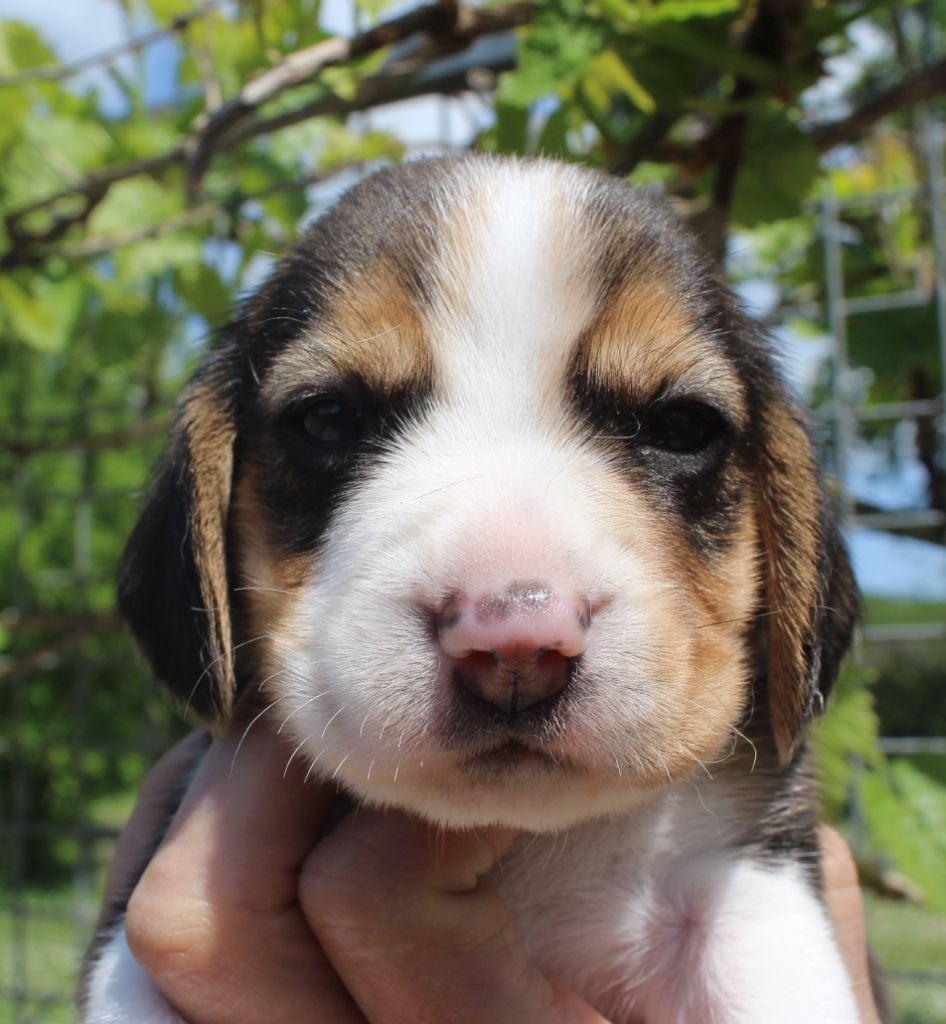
x: 301, y: 486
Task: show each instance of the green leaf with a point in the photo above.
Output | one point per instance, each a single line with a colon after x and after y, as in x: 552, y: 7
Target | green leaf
x: 44, y: 316
x: 686, y: 10
x: 905, y: 812
x: 552, y: 55
x: 21, y: 47
x: 607, y: 75
x: 166, y: 11
x: 553, y: 140
x: 343, y: 81
x: 846, y: 737
x: 512, y: 126
x: 145, y: 136
x: 135, y: 203
x: 203, y: 289
x: 373, y: 8
x: 780, y: 166
x: 158, y: 255
x: 73, y: 144
x: 709, y: 50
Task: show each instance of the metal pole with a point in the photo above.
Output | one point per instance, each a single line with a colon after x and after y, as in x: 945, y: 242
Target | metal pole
x: 934, y: 141
x: 836, y: 315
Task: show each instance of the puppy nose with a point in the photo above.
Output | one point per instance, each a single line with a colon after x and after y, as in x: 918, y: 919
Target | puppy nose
x: 516, y: 647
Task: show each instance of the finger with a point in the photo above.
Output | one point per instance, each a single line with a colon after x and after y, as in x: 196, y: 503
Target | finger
x: 159, y: 794
x: 418, y: 934
x: 215, y: 919
x: 842, y: 893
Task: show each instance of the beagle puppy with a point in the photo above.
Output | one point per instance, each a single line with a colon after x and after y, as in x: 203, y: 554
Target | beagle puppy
x: 496, y: 491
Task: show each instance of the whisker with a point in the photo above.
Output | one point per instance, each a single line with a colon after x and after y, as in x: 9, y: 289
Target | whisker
x: 246, y: 731
x: 304, y: 704
x: 295, y: 751
x: 314, y: 762
x: 332, y: 719
x: 218, y: 659
x: 384, y: 726
x: 740, y: 618
x: 338, y: 767
x: 273, y: 675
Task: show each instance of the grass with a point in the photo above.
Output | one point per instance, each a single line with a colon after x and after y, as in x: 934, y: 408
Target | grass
x: 910, y: 943
x: 888, y: 611
x: 39, y: 957
x: 44, y: 933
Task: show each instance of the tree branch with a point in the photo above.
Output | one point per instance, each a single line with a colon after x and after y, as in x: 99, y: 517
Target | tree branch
x: 90, y: 442
x: 770, y: 36
x: 101, y: 245
x: 407, y: 79
x: 98, y: 246
x: 233, y: 124
x: 301, y: 67
x: 914, y: 89
x: 917, y: 88
x: 58, y: 72
x: 84, y: 627
x: 453, y: 27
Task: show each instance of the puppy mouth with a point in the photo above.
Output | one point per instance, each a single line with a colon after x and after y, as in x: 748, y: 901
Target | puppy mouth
x: 510, y: 757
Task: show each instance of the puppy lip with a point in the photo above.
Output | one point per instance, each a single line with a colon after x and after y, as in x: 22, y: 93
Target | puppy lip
x: 511, y: 753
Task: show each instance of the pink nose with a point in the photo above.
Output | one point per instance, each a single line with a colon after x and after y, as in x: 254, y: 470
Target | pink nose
x: 516, y: 647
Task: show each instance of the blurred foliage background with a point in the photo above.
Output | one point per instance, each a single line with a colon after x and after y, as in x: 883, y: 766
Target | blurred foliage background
x: 146, y: 184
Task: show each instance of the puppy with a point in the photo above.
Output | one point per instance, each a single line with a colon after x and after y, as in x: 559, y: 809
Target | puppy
x: 494, y: 488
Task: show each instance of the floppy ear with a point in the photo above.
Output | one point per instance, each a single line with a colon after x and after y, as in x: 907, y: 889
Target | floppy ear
x: 173, y: 589
x: 810, y: 595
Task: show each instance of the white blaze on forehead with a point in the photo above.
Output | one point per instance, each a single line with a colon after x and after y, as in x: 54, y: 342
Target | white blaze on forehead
x: 514, y: 296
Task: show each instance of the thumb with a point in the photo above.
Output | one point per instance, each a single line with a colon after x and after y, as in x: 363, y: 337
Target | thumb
x: 416, y: 931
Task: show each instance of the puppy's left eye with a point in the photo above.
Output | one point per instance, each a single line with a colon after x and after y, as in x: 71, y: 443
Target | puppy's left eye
x: 332, y: 421
x: 684, y: 426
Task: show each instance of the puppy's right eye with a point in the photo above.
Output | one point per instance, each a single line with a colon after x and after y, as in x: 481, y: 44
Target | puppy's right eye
x: 332, y: 421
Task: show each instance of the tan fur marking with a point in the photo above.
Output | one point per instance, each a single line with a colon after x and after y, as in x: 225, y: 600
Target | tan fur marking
x: 789, y: 527
x: 268, y: 584
x: 643, y: 340
x: 697, y: 617
x: 372, y: 330
x: 210, y: 434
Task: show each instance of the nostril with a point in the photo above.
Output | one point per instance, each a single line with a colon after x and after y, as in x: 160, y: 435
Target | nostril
x: 513, y: 685
x: 550, y: 661
x: 478, y: 662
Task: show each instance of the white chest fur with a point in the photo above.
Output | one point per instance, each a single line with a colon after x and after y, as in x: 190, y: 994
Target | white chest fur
x: 653, y: 920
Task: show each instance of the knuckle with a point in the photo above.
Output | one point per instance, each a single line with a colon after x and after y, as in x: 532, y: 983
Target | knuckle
x: 169, y: 934
x: 336, y: 893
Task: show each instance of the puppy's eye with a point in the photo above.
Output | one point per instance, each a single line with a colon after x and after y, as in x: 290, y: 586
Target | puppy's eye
x: 684, y: 426
x: 333, y: 421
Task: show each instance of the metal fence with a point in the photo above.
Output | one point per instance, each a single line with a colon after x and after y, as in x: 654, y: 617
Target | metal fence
x: 42, y: 935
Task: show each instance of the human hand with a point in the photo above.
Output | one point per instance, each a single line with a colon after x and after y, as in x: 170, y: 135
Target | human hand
x: 245, y: 914
x: 845, y: 903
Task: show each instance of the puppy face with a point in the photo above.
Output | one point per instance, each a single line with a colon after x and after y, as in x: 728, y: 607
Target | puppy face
x: 487, y: 491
